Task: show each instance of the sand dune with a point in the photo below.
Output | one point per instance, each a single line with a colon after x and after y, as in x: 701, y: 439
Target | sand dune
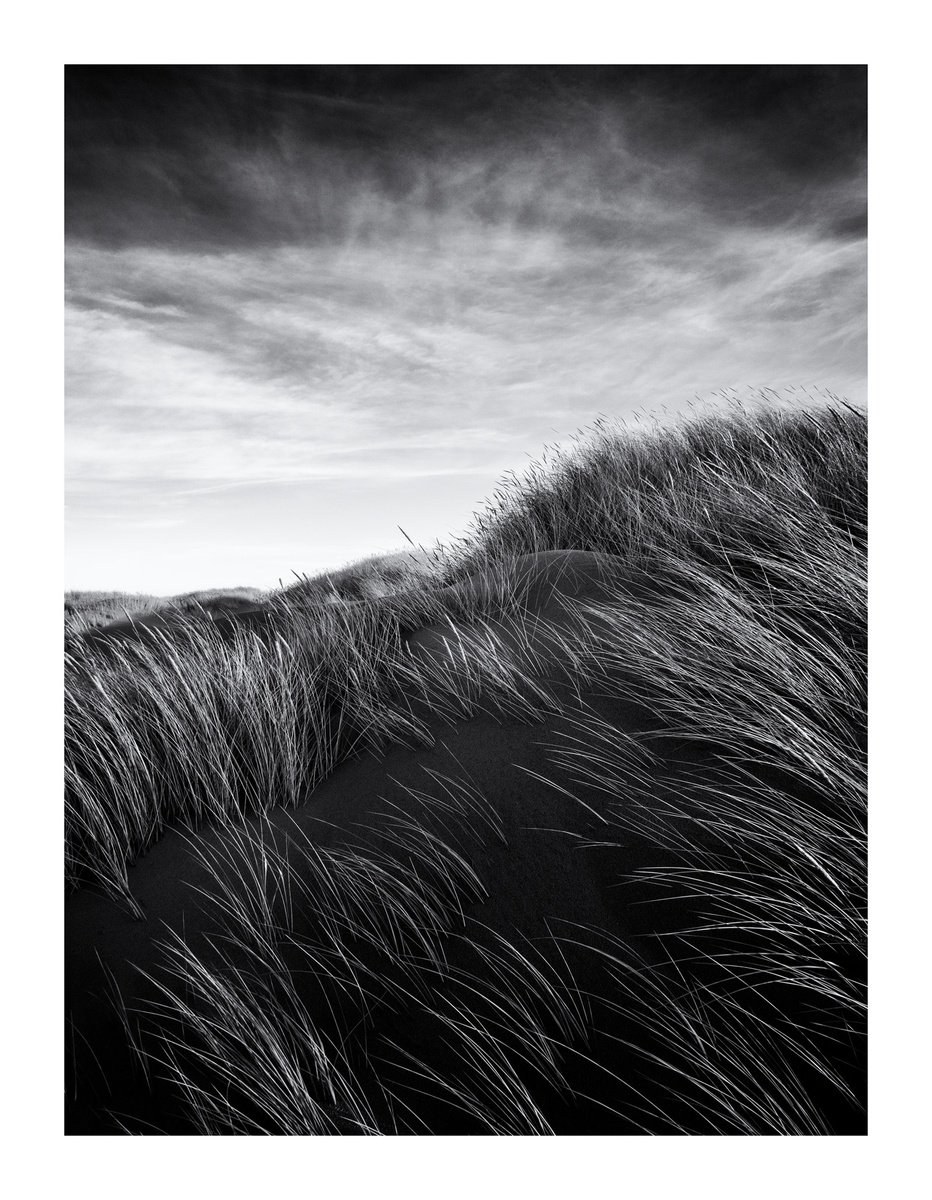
x: 576, y: 844
x: 543, y: 868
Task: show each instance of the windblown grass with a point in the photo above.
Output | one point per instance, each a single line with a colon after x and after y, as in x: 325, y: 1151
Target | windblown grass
x: 286, y: 1031
x: 723, y: 492
x: 353, y: 991
x: 369, y: 578
x: 202, y: 721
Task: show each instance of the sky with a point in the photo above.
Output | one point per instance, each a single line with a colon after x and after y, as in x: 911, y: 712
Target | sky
x: 306, y: 306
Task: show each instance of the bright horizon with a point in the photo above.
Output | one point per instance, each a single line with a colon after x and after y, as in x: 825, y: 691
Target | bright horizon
x: 306, y: 307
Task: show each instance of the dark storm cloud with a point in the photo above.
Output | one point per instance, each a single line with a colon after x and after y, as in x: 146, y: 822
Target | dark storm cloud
x: 245, y: 155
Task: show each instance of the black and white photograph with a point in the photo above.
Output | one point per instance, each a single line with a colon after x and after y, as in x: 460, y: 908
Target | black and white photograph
x: 465, y: 600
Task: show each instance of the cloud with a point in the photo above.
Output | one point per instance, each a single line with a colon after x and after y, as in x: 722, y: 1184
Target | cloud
x: 283, y: 359
x: 222, y: 156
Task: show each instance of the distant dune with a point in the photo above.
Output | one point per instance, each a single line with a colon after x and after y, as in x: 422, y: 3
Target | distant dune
x: 97, y: 610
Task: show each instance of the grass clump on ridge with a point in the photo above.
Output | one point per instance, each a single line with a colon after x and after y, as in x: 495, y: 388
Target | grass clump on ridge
x: 723, y: 491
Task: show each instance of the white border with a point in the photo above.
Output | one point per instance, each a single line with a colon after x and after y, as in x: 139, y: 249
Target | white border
x: 39, y: 42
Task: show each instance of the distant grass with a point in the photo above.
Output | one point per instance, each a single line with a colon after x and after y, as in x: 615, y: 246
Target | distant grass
x: 742, y: 630
x: 89, y: 610
x: 96, y: 610
x: 368, y: 579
